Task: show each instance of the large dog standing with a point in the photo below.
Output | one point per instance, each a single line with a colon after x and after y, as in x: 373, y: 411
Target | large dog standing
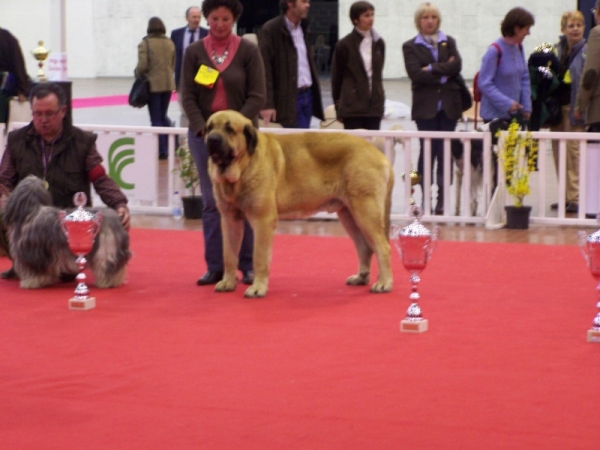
x: 262, y: 177
x: 39, y: 247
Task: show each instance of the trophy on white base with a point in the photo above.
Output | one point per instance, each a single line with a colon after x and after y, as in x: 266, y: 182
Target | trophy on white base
x: 415, y: 244
x: 81, y: 228
x: 590, y: 249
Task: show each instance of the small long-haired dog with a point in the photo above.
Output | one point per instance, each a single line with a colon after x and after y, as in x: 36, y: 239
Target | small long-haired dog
x: 457, y: 150
x: 39, y: 247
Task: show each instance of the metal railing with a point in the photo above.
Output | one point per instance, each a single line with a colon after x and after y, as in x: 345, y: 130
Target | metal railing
x: 402, y: 148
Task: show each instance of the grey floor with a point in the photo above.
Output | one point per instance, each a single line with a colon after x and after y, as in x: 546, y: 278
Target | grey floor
x: 396, y: 90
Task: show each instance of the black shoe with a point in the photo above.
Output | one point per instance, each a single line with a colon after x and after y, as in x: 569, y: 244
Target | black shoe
x: 572, y: 207
x: 210, y: 277
x: 9, y: 274
x: 554, y: 206
x: 162, y: 157
x: 248, y: 276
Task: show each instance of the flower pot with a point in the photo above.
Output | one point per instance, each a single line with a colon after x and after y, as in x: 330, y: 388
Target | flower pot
x: 192, y: 207
x: 517, y: 218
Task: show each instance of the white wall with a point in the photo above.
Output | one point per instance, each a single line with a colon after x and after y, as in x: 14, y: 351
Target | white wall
x: 102, y: 35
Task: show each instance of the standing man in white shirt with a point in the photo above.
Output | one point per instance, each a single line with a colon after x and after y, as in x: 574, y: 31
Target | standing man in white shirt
x: 293, y: 90
x: 182, y: 37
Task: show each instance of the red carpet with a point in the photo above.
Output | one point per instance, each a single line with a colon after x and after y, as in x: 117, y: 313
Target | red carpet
x: 107, y: 100
x: 164, y: 364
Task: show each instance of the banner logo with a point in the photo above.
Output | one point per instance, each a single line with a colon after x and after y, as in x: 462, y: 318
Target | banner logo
x: 119, y: 158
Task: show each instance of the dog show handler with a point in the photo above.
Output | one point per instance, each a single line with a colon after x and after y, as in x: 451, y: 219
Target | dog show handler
x: 63, y: 156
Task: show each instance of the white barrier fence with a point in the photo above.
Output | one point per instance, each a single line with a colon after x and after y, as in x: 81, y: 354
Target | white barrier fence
x: 130, y: 157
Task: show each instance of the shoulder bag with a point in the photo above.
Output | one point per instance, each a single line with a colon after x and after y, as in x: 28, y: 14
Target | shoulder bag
x: 140, y: 91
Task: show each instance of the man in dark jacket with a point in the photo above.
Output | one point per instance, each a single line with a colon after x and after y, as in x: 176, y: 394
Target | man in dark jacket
x: 293, y: 91
x: 182, y: 37
x: 62, y: 155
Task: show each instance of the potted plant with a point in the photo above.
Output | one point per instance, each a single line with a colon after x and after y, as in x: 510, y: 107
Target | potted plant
x: 186, y: 168
x: 518, y: 155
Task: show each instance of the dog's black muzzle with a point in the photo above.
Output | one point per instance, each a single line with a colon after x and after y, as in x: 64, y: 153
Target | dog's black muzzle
x: 219, y: 152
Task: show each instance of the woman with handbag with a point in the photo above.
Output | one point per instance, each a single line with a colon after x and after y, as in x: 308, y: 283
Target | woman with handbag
x: 433, y: 64
x: 156, y: 62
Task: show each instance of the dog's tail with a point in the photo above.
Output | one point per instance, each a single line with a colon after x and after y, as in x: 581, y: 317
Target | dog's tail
x: 388, y: 199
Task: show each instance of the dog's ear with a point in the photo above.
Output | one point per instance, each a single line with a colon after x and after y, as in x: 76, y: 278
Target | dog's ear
x: 251, y: 139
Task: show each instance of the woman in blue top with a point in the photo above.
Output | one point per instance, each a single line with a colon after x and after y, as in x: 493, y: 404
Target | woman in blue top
x: 504, y: 76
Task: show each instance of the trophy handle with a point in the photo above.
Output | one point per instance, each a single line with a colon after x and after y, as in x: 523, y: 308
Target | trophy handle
x: 396, y: 229
x: 433, y: 241
x: 583, y: 246
x: 97, y: 223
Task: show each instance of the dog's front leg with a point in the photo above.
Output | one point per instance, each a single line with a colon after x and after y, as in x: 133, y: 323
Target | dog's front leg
x: 264, y: 230
x: 232, y: 228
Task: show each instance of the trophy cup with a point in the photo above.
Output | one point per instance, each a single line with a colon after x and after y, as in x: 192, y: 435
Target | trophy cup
x: 590, y: 249
x: 40, y: 53
x: 81, y: 228
x: 415, y: 244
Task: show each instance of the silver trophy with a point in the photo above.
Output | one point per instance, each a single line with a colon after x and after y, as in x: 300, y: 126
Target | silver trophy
x: 415, y: 244
x: 81, y: 228
x: 590, y: 249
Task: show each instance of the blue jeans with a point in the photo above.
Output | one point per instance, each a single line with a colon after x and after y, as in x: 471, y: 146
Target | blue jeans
x: 158, y: 105
x: 304, y: 107
x: 211, y: 219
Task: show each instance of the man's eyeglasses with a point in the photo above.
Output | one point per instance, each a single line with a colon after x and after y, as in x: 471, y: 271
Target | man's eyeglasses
x: 593, y: 10
x: 46, y: 114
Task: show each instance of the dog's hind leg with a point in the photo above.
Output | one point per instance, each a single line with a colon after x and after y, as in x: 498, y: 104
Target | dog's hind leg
x: 372, y: 220
x: 364, y: 251
x: 377, y: 236
x: 372, y: 228
x: 111, y: 253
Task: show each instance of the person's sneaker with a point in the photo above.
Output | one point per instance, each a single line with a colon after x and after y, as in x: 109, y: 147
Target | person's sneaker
x: 9, y: 274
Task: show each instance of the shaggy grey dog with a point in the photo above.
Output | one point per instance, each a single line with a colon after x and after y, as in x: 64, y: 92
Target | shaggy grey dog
x: 39, y: 247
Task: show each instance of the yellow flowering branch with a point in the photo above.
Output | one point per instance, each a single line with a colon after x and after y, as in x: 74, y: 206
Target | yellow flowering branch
x: 518, y: 155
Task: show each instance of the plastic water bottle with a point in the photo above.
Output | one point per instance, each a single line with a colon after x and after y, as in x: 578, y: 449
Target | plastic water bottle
x: 177, y: 206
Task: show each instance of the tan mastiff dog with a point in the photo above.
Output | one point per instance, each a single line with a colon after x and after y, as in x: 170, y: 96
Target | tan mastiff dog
x: 262, y: 177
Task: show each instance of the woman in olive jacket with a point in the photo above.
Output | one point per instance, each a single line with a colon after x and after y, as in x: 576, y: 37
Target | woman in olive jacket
x: 357, y: 72
x: 156, y: 62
